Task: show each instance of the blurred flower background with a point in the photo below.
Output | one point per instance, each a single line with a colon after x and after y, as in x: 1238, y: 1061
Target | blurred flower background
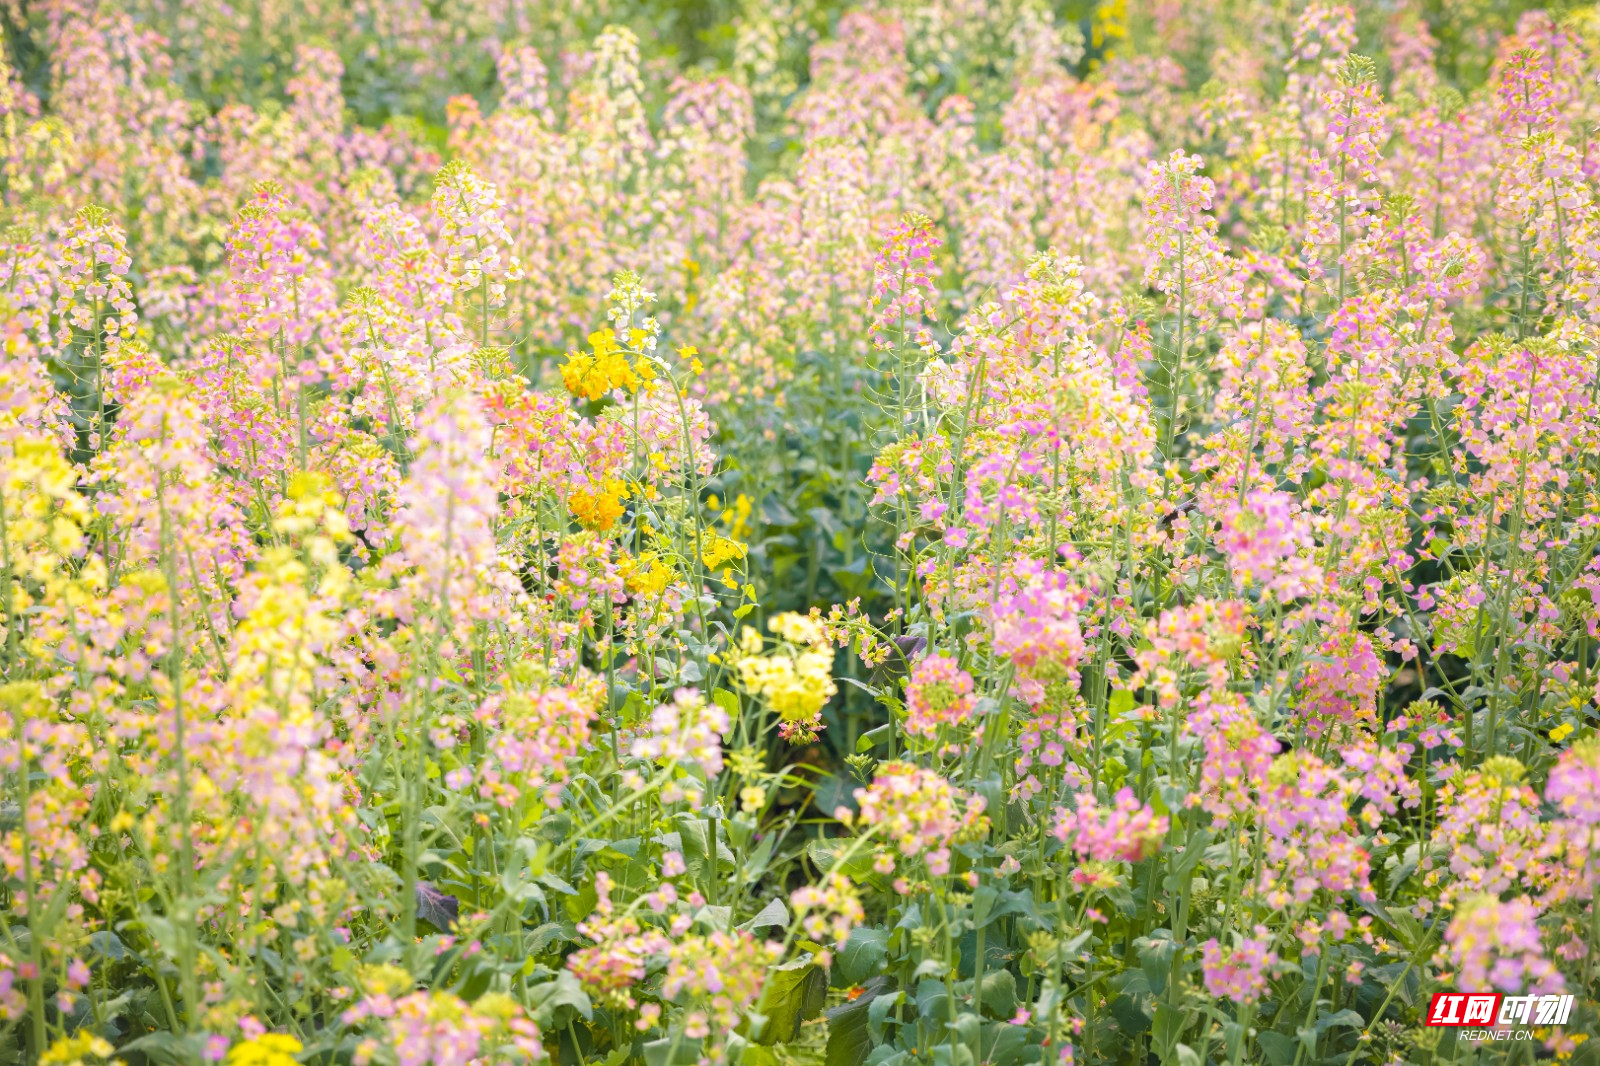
x: 656, y: 533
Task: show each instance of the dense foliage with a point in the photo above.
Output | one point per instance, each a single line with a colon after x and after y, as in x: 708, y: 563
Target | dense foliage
x: 761, y: 532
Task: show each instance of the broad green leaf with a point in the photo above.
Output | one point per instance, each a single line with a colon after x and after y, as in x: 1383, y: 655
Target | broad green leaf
x: 795, y: 994
x: 998, y: 994
x: 862, y: 954
x: 849, y: 1039
x: 773, y: 916
x: 547, y: 998
x: 1279, y: 1048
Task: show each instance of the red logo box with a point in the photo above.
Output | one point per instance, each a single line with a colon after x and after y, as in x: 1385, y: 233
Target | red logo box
x: 1463, y: 1008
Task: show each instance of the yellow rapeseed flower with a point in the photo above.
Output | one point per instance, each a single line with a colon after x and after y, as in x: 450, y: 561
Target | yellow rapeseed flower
x: 269, y: 1049
x: 605, y: 367
x: 598, y: 509
x: 647, y: 575
x: 77, y: 1050
x: 796, y: 679
x: 715, y: 549
x: 736, y: 517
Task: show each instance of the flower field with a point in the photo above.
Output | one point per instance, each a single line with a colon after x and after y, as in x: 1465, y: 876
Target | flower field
x: 770, y: 532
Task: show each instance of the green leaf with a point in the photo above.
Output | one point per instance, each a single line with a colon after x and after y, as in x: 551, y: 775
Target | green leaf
x: 1005, y: 1045
x: 714, y: 918
x: 968, y: 1029
x: 551, y: 881
x: 1130, y: 1015
x: 998, y: 993
x: 862, y: 954
x: 756, y: 864
x: 472, y: 976
x: 1184, y: 862
x: 1155, y: 959
x: 872, y: 738
x: 774, y: 513
x: 1018, y: 903
x: 1279, y: 1048
x: 1407, y: 929
x: 855, y: 578
x: 849, y: 1039
x: 824, y: 851
x: 984, y: 898
x: 878, y: 1013
x: 694, y: 840
x: 659, y: 1052
x: 931, y: 999
x: 164, y: 1047
x: 1344, y: 1017
x: 543, y: 937
x: 754, y: 1055
x: 537, y: 852
x: 108, y: 945
x: 773, y: 916
x: 728, y: 701
x: 1165, y: 1031
x: 545, y: 999
x: 833, y: 792
x: 795, y: 994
